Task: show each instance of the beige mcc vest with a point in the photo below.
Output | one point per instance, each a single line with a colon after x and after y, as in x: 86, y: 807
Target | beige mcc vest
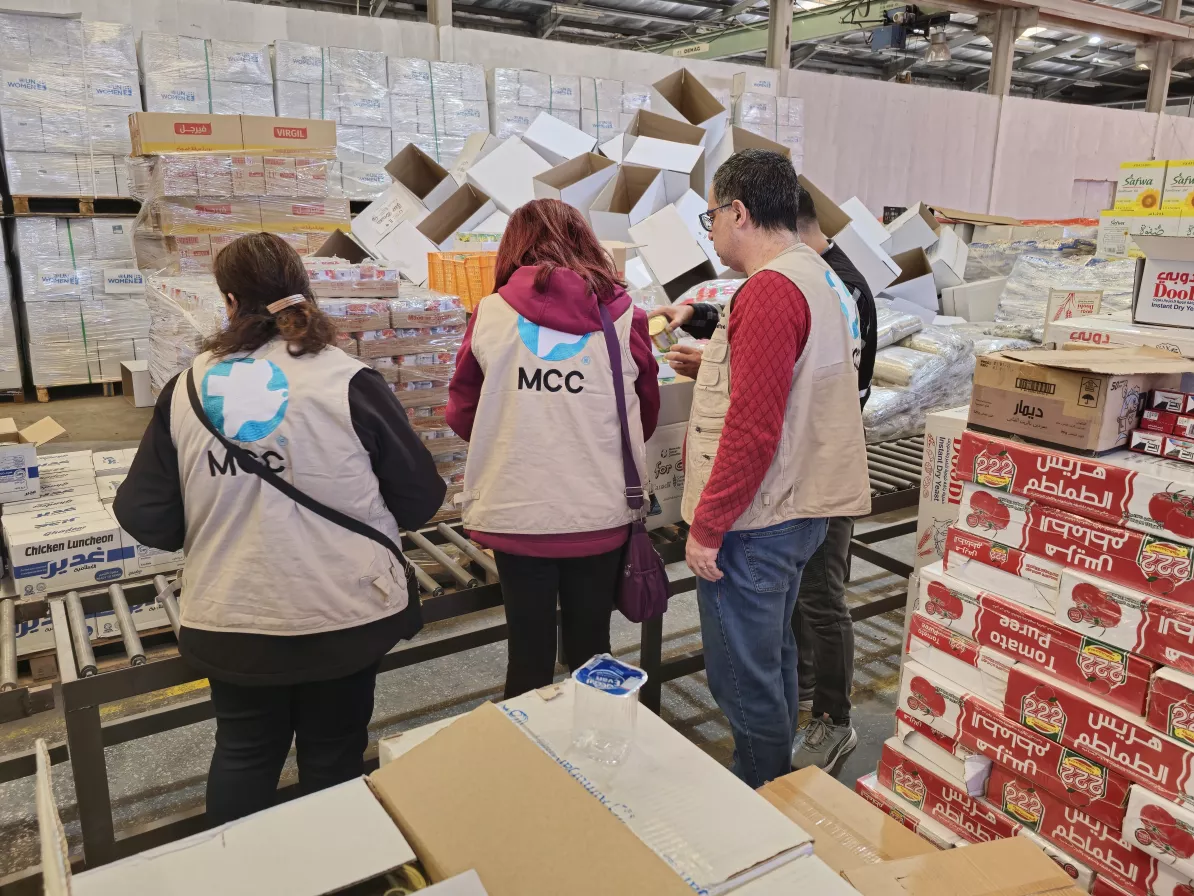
x: 545, y: 455
x: 819, y: 468
x: 257, y: 562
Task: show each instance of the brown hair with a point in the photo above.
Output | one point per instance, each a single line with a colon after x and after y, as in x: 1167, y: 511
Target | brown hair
x: 257, y: 269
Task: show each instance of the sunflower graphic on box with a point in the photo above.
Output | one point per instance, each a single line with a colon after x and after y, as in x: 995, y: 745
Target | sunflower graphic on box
x: 1149, y: 199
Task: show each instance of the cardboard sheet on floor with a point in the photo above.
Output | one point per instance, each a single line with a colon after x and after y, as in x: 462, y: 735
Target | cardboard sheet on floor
x: 711, y: 828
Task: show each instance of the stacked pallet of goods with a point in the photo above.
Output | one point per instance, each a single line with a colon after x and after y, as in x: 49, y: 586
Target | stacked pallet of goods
x: 436, y: 106
x: 1048, y: 686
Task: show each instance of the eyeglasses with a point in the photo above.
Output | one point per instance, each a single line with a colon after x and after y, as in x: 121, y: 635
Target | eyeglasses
x: 706, y: 218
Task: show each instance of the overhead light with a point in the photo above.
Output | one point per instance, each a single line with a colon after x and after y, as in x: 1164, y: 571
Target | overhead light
x: 938, y: 51
x: 1087, y: 84
x: 576, y: 12
x: 1142, y: 66
x: 1032, y: 32
x: 1095, y: 39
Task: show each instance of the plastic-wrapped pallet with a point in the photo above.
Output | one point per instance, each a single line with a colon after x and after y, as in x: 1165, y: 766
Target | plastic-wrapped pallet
x: 350, y: 87
x: 517, y: 96
x: 10, y: 359
x: 994, y: 250
x: 436, y: 105
x: 607, y: 106
x: 194, y: 74
x: 66, y: 90
x: 777, y: 118
x: 1021, y: 307
x: 85, y: 307
x: 927, y: 371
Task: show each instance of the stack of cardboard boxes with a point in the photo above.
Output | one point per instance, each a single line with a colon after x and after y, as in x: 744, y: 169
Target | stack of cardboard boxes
x: 1044, y: 688
x: 10, y: 357
x: 1153, y: 198
x: 65, y: 93
x: 759, y: 110
x: 436, y: 106
x: 195, y: 75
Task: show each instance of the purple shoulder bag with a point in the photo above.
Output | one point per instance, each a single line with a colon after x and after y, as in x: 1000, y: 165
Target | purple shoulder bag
x: 643, y: 586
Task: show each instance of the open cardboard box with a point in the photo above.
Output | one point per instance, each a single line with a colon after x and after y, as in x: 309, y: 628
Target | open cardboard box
x: 916, y: 228
x: 577, y: 182
x: 409, y: 244
x: 682, y: 96
x: 373, y: 227
x: 633, y: 195
x: 476, y: 146
x: 872, y: 262
x: 507, y: 174
x: 735, y: 140
x: 669, y: 819
x: 672, y: 146
x: 670, y: 250
x: 557, y: 141
x: 19, y: 479
x: 425, y: 178
x: 916, y: 282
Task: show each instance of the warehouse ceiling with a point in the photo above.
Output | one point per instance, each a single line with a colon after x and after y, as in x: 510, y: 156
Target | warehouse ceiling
x: 838, y: 37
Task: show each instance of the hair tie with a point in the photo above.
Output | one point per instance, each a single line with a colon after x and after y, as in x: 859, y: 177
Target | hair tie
x: 275, y: 307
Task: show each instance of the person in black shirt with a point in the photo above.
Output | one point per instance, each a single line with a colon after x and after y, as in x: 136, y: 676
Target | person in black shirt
x: 822, y: 623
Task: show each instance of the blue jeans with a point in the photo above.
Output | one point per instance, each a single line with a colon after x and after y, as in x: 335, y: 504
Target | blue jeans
x: 750, y: 650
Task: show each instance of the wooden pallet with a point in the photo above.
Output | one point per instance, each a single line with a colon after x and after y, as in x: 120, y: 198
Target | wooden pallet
x: 14, y: 395
x: 79, y: 390
x: 74, y: 206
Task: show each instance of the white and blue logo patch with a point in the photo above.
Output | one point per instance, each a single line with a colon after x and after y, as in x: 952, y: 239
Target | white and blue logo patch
x: 245, y: 398
x: 549, y: 344
x: 849, y: 308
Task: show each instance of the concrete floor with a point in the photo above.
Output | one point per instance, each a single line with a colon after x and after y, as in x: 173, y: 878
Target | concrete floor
x: 162, y: 775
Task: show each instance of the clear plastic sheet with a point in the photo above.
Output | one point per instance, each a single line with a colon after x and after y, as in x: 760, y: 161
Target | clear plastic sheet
x: 519, y: 95
x: 193, y: 74
x: 715, y: 292
x: 909, y: 383
x: 10, y: 360
x: 892, y: 326
x: 897, y: 366
x: 436, y: 105
x: 1021, y: 308
x: 996, y: 257
x: 66, y: 90
x: 945, y: 342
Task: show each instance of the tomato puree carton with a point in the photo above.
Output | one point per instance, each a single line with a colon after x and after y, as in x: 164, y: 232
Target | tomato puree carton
x: 1081, y: 873
x: 1010, y: 572
x: 1031, y: 637
x: 1146, y: 494
x: 1093, y: 727
x: 1171, y: 704
x: 1105, y: 886
x: 958, y: 658
x: 1153, y: 627
x: 1133, y: 559
x: 910, y: 817
x: 921, y: 784
x: 1162, y: 829
x: 1090, y: 841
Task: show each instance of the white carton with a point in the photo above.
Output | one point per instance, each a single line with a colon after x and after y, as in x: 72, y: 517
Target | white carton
x: 50, y: 494
x: 110, y: 463
x: 62, y: 509
x: 19, y: 479
x: 374, y: 226
x: 77, y: 555
x: 1164, y: 291
x: 632, y: 196
x: 556, y: 140
x: 860, y: 239
x: 940, y: 489
x: 29, y: 523
x: 67, y: 478
x: 915, y: 283
x: 142, y: 560
x: 1116, y: 328
x: 916, y: 228
x: 107, y: 486
x: 691, y: 206
x: 948, y: 258
x: 665, y: 473
x: 506, y: 175
x: 577, y: 182
x: 63, y: 461
x: 668, y: 247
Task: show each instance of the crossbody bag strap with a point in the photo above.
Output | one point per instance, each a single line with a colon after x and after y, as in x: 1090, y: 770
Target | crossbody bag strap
x: 250, y: 464
x: 634, y: 485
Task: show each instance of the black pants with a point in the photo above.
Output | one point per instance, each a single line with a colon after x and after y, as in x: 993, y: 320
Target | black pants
x: 328, y: 720
x: 530, y: 585
x: 823, y: 627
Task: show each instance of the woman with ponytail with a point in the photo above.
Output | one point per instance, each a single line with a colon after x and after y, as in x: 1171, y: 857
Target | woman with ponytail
x: 287, y: 612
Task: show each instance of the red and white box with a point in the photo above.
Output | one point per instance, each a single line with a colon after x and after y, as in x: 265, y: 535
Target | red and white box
x: 1093, y: 727
x: 1090, y: 841
x: 1149, y: 626
x: 924, y: 786
x: 1081, y: 873
x: 1171, y: 704
x: 930, y: 702
x: 1155, y: 420
x: 1171, y: 447
x: 1162, y: 829
x: 1105, y: 886
x: 1122, y: 556
x: 1010, y: 572
x: 959, y: 763
x: 957, y: 658
x: 910, y: 817
x: 1175, y: 402
x: 1147, y: 494
x: 1028, y: 636
x: 940, y: 488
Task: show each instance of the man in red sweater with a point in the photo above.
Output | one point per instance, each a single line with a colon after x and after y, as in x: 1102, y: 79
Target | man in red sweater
x: 772, y: 451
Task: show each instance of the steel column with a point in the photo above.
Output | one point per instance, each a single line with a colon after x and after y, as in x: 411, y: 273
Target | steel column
x: 8, y: 646
x: 1161, y: 68
x: 1003, y: 53
x: 779, y: 42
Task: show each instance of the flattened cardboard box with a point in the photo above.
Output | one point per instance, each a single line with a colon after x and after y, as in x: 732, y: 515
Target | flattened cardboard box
x: 1087, y: 401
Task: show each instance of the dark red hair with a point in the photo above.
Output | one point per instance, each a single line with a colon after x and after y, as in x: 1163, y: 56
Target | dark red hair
x: 553, y: 234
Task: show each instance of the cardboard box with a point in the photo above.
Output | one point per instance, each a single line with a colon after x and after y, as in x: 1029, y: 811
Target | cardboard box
x: 910, y: 817
x: 1113, y: 240
x: 474, y: 770
x: 556, y: 140
x: 141, y: 560
x: 1065, y: 304
x: 1160, y: 445
x: 305, y: 215
x: 425, y: 178
x: 476, y: 146
x: 675, y: 258
x: 507, y: 174
x: 633, y: 195
x: 135, y: 382
x: 154, y: 133
x: 1178, y: 194
x: 1086, y: 723
x: 1084, y: 401
x: 191, y: 216
x: 296, y: 136
x: 850, y: 832
x: 577, y: 182
x: 1079, y: 872
x: 1164, y: 289
x: 868, y: 225
x: 916, y: 228
x: 1159, y: 421
x: 804, y: 875
x: 958, y: 762
x: 374, y: 226
x: 1162, y: 829
x: 665, y: 470
x: 1116, y: 329
x: 1143, y: 494
x: 940, y: 488
x: 1171, y: 704
x: 1016, y: 631
x: 736, y: 139
x: 75, y: 555
x: 1013, y: 573
x: 930, y: 703
x: 969, y: 666
x: 1140, y: 186
x: 948, y: 257
x: 1013, y: 867
x: 680, y: 95
x: 872, y: 261
x: 655, y: 141
x: 915, y: 283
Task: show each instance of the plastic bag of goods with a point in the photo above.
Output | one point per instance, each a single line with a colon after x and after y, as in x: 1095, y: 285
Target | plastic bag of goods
x: 892, y: 326
x: 1022, y: 304
x: 945, y: 342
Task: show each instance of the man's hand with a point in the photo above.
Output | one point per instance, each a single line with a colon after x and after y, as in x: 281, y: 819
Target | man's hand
x: 702, y: 560
x: 685, y: 360
x: 677, y: 315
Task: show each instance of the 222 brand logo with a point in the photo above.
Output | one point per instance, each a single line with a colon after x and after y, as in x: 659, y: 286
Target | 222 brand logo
x: 245, y: 398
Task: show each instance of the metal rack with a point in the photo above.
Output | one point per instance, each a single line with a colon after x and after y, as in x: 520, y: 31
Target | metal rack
x: 86, y: 684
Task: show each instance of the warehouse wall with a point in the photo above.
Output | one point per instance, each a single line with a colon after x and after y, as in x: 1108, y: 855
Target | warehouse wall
x: 890, y: 144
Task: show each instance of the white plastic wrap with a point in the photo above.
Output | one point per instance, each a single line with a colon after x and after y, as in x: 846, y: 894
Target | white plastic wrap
x: 519, y: 95
x: 183, y: 312
x: 995, y: 257
x: 194, y: 74
x: 1021, y: 308
x: 436, y: 105
x: 10, y: 359
x: 892, y: 326
x: 946, y: 342
x: 777, y: 118
x: 66, y: 90
x: 716, y: 292
x: 910, y: 383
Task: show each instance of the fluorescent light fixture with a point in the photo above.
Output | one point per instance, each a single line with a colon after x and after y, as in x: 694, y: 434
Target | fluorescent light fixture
x: 1032, y: 32
x: 576, y: 12
x: 1095, y: 39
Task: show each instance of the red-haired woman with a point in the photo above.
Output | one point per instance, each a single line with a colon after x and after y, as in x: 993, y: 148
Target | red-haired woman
x: 533, y: 394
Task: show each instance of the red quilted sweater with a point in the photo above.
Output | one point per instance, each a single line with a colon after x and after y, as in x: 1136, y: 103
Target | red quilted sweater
x: 767, y: 331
